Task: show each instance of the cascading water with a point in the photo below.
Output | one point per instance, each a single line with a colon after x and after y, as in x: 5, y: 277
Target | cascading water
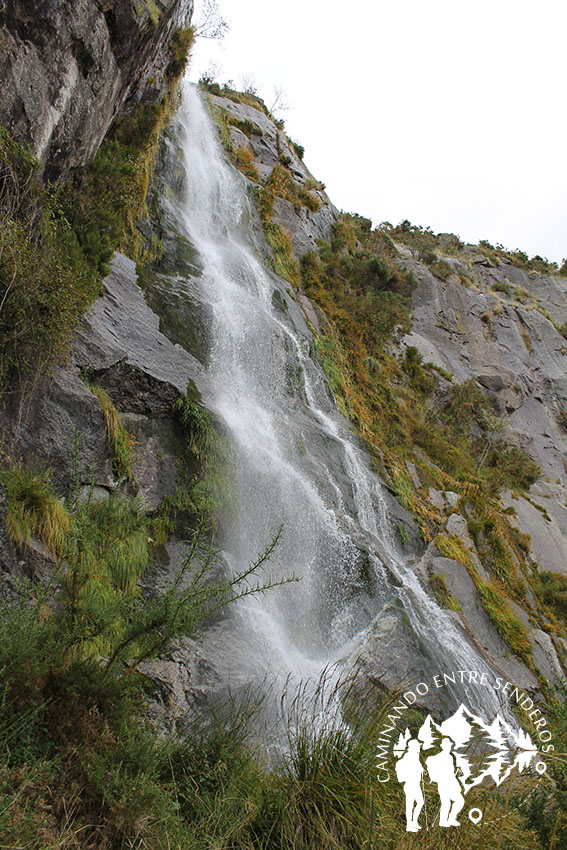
x: 299, y: 629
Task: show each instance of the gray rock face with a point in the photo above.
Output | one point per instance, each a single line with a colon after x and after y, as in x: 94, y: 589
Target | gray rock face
x: 392, y: 654
x: 67, y: 69
x: 515, y: 353
x: 478, y: 624
x: 545, y: 520
x: 119, y: 347
x: 121, y: 344
x: 270, y: 146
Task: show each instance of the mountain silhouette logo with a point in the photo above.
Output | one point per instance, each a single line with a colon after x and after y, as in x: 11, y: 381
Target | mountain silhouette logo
x: 456, y: 755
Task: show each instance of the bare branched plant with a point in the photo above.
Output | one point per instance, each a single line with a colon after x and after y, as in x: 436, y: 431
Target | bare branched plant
x: 210, y: 23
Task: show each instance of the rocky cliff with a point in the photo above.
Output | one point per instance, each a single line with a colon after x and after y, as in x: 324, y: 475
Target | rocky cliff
x: 480, y: 320
x: 396, y: 399
x: 68, y: 70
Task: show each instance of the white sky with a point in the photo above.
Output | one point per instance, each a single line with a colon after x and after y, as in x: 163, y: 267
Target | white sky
x: 450, y: 114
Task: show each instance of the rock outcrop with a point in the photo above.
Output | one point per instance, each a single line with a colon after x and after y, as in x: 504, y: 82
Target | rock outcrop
x: 498, y: 331
x: 67, y: 70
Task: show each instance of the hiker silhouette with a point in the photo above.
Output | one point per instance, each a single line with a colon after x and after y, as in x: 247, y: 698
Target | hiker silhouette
x: 409, y: 771
x: 442, y: 771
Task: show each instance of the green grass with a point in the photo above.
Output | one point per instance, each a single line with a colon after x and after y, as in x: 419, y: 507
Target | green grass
x: 442, y: 593
x: 46, y: 281
x: 209, y: 493
x: 33, y: 511
x: 119, y: 440
x: 509, y: 626
x: 552, y: 590
x: 79, y: 765
x: 197, y: 424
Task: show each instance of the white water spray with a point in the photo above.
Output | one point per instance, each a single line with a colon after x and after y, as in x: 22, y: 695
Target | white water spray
x: 299, y: 629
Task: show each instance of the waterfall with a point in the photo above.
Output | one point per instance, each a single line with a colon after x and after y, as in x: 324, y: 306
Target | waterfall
x: 330, y: 504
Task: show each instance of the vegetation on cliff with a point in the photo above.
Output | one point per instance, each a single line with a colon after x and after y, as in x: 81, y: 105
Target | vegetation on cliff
x: 81, y: 765
x: 56, y: 241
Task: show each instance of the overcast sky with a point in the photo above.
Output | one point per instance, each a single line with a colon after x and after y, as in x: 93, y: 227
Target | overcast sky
x: 450, y: 114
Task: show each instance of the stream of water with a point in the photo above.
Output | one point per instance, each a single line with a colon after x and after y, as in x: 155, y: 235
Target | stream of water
x: 325, y: 507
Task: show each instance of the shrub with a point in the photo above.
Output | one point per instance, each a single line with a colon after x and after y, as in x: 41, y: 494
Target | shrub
x: 33, y: 511
x: 510, y: 628
x: 552, y: 590
x: 179, y: 46
x: 299, y: 149
x: 244, y: 158
x: 79, y: 766
x: 197, y: 424
x: 500, y: 286
x: 440, y: 268
x: 56, y: 242
x: 46, y: 282
x: 403, y: 534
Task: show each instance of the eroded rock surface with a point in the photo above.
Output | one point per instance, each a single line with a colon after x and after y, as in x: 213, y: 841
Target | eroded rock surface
x: 67, y: 70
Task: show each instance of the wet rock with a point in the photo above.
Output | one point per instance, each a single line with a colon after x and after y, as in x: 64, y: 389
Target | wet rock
x: 62, y: 411
x: 121, y: 347
x: 479, y: 625
x: 392, y: 655
x: 157, y: 444
x: 270, y: 147
x: 310, y: 312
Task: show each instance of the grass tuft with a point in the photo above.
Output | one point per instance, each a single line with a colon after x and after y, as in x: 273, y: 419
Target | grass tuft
x: 119, y: 440
x: 33, y: 511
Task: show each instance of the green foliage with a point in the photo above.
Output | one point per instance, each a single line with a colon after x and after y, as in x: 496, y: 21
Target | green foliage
x: 442, y: 593
x: 469, y: 414
x: 412, y: 365
x: 284, y: 263
x: 198, y: 427
x: 299, y: 149
x: 207, y: 494
x: 425, y: 245
x: 281, y: 183
x: 78, y: 768
x: 509, y: 626
x: 111, y: 200
x: 46, y: 282
x: 244, y: 158
x: 179, y: 47
x: 500, y: 286
x: 33, y: 511
x: 403, y: 534
x: 118, y: 438
x: 552, y: 590
x: 56, y: 242
x: 449, y: 546
x: 440, y: 268
x: 247, y: 127
x: 546, y: 810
